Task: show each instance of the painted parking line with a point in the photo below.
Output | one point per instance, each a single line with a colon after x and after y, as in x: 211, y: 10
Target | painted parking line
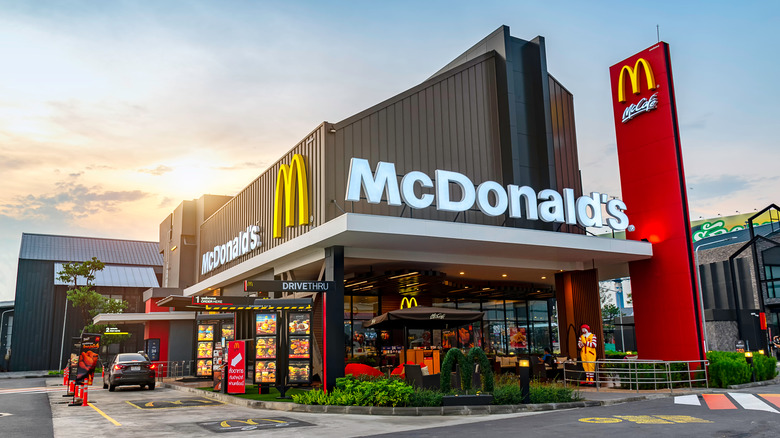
x: 718, y: 401
x: 772, y: 398
x: 645, y: 419
x: 251, y: 424
x: 116, y: 423
x: 188, y: 402
x: 692, y: 400
x: 750, y: 401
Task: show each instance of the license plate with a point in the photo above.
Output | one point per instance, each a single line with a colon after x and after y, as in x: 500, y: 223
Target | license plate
x: 135, y: 368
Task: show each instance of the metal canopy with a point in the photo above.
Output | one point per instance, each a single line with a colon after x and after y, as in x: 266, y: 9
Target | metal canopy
x: 424, y: 317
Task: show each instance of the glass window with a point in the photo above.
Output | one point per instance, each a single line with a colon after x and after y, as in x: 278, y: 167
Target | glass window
x: 365, y: 307
x: 495, y: 326
x: 539, y: 326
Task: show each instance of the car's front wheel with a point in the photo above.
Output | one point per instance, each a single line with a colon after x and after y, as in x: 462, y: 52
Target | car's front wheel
x: 105, y: 385
x: 111, y: 388
x: 151, y: 386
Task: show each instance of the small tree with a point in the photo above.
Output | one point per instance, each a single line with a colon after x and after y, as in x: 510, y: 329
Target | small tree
x: 89, y: 302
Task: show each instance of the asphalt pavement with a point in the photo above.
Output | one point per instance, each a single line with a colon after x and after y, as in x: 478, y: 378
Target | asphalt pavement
x: 24, y: 408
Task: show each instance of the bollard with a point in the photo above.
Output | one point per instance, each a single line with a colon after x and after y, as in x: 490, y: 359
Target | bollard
x: 65, y: 377
x: 78, y: 391
x: 72, y: 387
x: 84, y: 394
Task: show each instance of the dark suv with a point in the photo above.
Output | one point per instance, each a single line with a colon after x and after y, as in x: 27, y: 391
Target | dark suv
x: 129, y: 369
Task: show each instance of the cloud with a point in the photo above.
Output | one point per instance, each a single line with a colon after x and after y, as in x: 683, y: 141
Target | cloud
x: 720, y: 186
x: 244, y: 165
x: 69, y: 201
x: 157, y: 171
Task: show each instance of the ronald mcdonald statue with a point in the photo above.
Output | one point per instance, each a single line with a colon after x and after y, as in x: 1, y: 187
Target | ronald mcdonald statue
x: 587, y: 345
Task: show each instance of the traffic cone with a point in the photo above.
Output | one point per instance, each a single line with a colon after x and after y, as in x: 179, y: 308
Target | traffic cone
x: 84, y: 394
x: 72, y: 387
x: 65, y: 377
x: 78, y: 391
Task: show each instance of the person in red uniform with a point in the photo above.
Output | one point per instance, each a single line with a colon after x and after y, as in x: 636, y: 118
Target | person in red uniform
x: 587, y: 345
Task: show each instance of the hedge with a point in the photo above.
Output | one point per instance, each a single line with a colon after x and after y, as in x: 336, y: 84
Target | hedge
x: 731, y: 368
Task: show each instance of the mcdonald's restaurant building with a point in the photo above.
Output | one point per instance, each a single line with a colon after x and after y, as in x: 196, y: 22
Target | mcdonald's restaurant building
x: 463, y: 192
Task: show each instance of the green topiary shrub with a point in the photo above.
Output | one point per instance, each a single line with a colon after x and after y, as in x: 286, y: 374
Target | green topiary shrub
x: 728, y: 368
x: 766, y: 367
x: 448, y: 366
x: 477, y: 355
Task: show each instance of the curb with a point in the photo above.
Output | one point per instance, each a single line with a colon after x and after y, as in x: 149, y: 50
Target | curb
x: 774, y: 381
x: 28, y: 376
x: 411, y: 411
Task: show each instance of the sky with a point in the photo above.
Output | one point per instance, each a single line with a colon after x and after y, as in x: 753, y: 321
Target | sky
x: 112, y: 113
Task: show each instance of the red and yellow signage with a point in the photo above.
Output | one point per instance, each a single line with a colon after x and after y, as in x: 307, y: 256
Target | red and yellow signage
x: 290, y: 181
x: 653, y: 184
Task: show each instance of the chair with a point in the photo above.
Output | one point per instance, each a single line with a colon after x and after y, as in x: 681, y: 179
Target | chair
x: 415, y: 377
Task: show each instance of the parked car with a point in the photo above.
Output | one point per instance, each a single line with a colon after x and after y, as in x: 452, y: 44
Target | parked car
x: 129, y: 369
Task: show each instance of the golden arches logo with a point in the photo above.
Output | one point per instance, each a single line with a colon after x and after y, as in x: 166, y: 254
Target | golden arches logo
x: 633, y: 76
x: 289, y: 179
x: 409, y: 302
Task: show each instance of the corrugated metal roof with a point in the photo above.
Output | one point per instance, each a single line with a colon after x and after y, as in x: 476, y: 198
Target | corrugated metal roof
x: 80, y: 249
x: 118, y: 276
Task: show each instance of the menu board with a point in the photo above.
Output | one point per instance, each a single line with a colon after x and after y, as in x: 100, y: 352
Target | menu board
x: 299, y: 348
x: 299, y: 324
x: 228, y: 331
x: 204, y: 350
x: 203, y: 367
x: 299, y: 371
x: 205, y: 332
x: 265, y: 324
x: 265, y: 347
x: 265, y: 371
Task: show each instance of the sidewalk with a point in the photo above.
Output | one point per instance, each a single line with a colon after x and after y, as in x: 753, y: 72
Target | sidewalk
x: 25, y: 374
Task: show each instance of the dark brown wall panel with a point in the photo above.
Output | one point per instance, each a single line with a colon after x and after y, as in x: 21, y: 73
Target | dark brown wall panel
x: 577, y: 295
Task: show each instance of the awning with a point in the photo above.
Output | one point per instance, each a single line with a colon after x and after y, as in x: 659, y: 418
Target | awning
x: 140, y: 318
x: 424, y: 317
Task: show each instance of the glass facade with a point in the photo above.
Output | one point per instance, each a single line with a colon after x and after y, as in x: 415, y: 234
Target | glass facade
x: 509, y: 327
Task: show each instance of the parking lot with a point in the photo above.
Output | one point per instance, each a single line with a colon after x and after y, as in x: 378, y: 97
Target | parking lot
x: 133, y: 412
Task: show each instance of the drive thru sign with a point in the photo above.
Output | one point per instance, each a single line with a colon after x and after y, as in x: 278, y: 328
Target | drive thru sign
x: 236, y: 367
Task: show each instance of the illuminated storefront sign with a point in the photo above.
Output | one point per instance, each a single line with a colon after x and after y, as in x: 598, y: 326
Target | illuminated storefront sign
x: 646, y: 104
x: 548, y: 205
x: 291, y: 180
x: 409, y: 302
x: 245, y: 242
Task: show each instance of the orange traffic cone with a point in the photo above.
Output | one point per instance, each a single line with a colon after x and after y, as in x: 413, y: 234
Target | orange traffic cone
x: 72, y: 387
x: 84, y: 394
x: 78, y: 391
x: 65, y: 377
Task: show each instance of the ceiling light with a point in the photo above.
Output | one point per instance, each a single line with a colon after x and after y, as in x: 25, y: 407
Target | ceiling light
x: 461, y: 272
x: 403, y: 275
x: 544, y: 278
x: 503, y: 275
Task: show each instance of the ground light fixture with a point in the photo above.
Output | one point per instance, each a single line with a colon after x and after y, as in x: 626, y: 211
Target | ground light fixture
x: 749, y: 360
x: 761, y: 352
x: 525, y: 379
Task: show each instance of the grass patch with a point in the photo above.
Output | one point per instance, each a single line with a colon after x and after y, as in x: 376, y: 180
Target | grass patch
x: 251, y: 393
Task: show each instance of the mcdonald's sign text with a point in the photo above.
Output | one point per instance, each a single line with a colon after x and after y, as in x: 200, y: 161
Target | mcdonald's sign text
x: 291, y: 179
x: 409, y: 302
x: 245, y: 242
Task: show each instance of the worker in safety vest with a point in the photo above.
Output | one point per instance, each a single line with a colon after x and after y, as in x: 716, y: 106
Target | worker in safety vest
x: 587, y: 345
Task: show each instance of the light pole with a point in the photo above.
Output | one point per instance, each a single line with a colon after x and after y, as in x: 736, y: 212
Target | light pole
x: 698, y: 283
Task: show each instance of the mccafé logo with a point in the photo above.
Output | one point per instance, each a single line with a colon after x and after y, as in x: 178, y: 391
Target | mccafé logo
x: 645, y: 104
x: 548, y: 205
x: 289, y: 179
x: 409, y: 302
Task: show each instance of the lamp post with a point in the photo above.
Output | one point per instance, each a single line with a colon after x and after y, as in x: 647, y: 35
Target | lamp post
x: 525, y: 380
x: 698, y: 283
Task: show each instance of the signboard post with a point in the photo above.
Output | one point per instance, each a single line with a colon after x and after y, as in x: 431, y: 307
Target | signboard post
x: 236, y: 367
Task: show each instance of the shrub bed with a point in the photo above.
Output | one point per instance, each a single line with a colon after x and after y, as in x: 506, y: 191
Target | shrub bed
x: 731, y: 368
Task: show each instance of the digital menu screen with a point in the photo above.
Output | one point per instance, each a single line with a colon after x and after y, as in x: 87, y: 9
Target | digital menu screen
x: 204, y: 350
x: 228, y: 332
x: 265, y: 324
x: 203, y: 367
x: 205, y: 332
x: 299, y: 371
x: 299, y: 348
x: 300, y: 324
x: 265, y: 348
x: 265, y: 371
